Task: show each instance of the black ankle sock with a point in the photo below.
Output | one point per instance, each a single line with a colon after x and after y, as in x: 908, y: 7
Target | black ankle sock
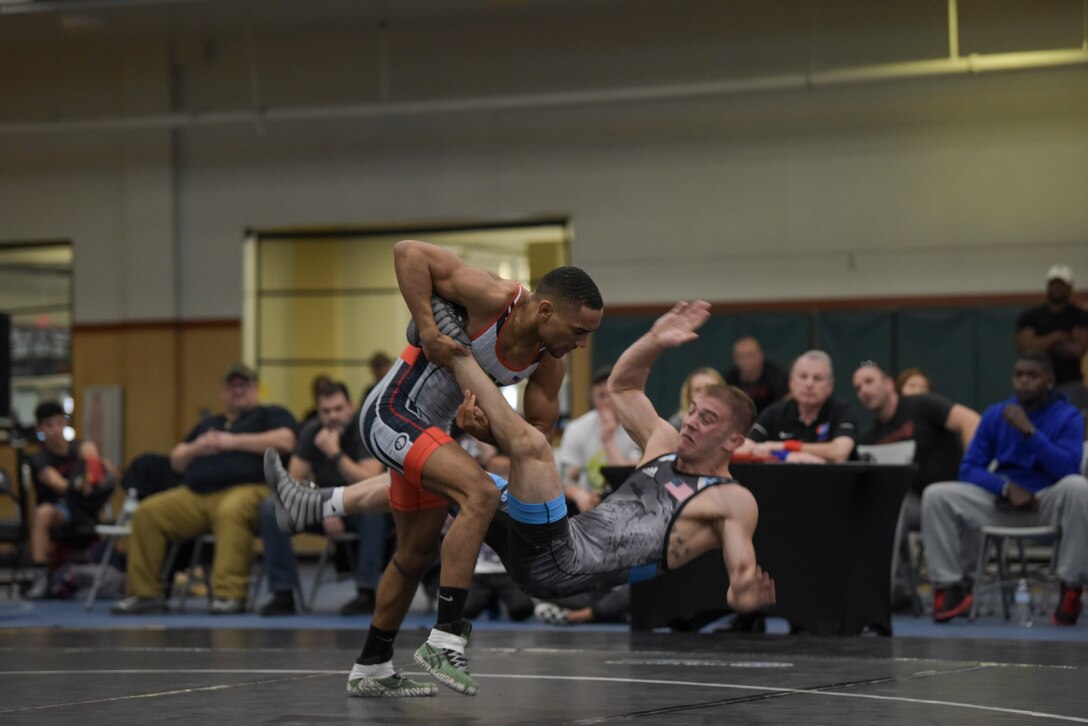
x: 451, y: 609
x: 378, y: 648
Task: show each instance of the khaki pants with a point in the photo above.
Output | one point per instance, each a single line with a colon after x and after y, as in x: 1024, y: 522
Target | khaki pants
x: 181, y: 514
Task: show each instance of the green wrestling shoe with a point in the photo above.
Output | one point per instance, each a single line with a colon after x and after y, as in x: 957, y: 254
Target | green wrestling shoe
x: 363, y: 685
x: 443, y: 656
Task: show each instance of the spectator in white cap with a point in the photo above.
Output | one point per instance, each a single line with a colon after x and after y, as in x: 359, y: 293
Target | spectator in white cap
x: 1058, y: 328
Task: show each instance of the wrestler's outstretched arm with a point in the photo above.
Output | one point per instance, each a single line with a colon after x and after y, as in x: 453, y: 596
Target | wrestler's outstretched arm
x: 627, y: 384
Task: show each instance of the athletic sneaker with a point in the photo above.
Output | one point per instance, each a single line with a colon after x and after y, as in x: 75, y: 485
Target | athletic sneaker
x: 1069, y: 606
x: 362, y: 685
x: 951, y: 602
x: 550, y: 613
x: 451, y: 319
x: 298, y: 504
x: 443, y: 656
x: 134, y: 605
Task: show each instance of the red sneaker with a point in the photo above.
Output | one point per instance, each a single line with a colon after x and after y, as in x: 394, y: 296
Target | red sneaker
x: 1069, y: 606
x: 951, y: 602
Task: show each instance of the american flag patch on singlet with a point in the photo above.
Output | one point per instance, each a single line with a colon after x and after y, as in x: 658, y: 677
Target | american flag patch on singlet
x: 679, y: 489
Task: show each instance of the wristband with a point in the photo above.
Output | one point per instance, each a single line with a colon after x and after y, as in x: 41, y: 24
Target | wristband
x: 792, y: 445
x: 337, y: 457
x: 780, y: 455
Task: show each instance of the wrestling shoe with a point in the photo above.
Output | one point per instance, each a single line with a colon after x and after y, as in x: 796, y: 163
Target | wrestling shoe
x: 451, y: 319
x: 381, y: 681
x: 298, y: 504
x: 550, y: 613
x: 443, y: 656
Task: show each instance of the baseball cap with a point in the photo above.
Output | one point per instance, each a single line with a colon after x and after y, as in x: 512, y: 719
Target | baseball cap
x: 1060, y: 272
x: 240, y: 370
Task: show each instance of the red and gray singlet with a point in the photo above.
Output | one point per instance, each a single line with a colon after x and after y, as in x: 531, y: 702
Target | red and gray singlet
x: 416, y: 394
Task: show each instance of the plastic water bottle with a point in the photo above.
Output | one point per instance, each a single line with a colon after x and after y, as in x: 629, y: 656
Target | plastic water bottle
x: 1022, y: 598
x: 129, y: 507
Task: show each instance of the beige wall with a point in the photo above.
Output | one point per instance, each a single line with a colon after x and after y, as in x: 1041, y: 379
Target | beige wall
x: 168, y: 374
x: 954, y: 183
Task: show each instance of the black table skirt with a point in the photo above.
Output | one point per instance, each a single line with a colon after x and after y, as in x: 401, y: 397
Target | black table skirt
x: 825, y: 535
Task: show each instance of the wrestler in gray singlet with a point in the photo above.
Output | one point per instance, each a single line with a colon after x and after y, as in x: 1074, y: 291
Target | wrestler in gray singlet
x: 599, y: 548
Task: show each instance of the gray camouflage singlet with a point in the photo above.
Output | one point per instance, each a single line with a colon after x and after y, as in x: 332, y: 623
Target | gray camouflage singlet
x: 598, y: 548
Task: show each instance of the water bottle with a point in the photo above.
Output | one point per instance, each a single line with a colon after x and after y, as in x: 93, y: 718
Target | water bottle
x: 1022, y: 598
x: 129, y: 507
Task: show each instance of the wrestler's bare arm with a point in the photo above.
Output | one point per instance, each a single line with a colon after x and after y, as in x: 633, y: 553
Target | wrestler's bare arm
x: 724, y: 517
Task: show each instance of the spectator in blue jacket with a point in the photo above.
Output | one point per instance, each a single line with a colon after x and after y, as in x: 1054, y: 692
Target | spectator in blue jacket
x: 1036, y: 439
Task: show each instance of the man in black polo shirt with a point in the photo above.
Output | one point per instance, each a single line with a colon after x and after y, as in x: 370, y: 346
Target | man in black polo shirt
x: 1059, y: 328
x: 941, y: 430
x: 222, y: 468
x: 330, y: 453
x: 810, y: 426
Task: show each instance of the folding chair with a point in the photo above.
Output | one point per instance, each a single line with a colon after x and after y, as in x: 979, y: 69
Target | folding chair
x: 999, y: 538
x: 898, y: 453
x: 122, y: 527
x: 15, y: 531
x: 347, y: 538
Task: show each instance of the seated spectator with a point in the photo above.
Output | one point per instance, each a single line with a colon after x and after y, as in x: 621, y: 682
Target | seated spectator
x: 379, y: 363
x: 317, y: 383
x: 810, y: 426
x: 71, y: 484
x: 763, y: 381
x: 942, y: 431
x: 1036, y: 439
x: 492, y: 587
x: 330, y: 452
x: 1058, y: 328
x: 221, y: 463
x: 697, y: 381
x: 591, y: 441
x: 607, y: 605
x: 913, y: 382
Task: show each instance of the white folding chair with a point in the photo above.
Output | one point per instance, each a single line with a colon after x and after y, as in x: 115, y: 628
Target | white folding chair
x: 999, y: 538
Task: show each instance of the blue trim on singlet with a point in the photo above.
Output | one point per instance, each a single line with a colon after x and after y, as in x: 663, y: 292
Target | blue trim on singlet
x: 645, y: 572
x: 543, y: 513
x: 501, y: 483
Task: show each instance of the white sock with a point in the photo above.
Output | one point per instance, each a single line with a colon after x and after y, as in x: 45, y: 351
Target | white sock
x: 378, y: 670
x: 334, y: 505
x: 449, y: 641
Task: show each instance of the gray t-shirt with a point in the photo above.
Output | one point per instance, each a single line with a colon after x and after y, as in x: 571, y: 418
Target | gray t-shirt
x: 582, y: 446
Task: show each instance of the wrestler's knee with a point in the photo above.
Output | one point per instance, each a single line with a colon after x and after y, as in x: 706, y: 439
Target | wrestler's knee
x: 483, y: 499
x: 529, y: 443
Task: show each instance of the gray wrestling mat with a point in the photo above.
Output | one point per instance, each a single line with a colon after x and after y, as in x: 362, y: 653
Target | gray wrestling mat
x: 284, y: 676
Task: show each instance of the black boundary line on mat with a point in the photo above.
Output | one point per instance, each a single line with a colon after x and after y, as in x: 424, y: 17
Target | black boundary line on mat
x: 740, y: 699
x: 797, y: 692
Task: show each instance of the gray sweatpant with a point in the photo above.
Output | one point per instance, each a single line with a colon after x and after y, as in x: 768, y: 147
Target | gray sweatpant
x: 949, y: 507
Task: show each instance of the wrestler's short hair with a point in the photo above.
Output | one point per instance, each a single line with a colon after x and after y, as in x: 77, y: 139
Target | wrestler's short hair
x: 738, y: 402
x: 571, y: 285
